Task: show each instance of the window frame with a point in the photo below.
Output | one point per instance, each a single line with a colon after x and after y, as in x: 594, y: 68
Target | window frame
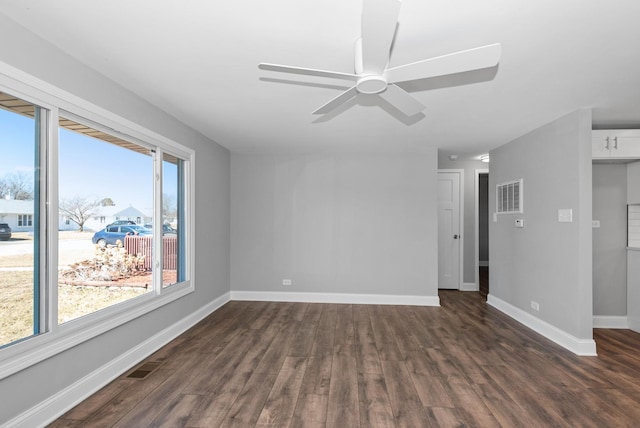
x: 56, y: 338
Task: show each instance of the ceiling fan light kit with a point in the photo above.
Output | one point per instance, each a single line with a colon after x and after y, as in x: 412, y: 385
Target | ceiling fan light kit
x: 372, y: 50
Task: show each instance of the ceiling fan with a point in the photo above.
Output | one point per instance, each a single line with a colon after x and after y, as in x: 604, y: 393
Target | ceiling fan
x: 372, y: 50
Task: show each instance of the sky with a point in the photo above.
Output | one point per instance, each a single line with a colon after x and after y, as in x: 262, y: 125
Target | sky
x: 88, y: 167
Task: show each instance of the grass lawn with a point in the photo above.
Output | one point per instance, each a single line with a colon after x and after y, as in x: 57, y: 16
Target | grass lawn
x: 16, y: 303
x: 16, y: 306
x: 74, y: 301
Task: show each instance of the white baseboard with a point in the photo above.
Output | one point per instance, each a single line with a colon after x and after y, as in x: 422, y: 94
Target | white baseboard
x: 356, y: 299
x: 469, y: 286
x: 633, y: 324
x: 586, y: 347
x: 483, y: 263
x: 606, y: 321
x: 56, y: 405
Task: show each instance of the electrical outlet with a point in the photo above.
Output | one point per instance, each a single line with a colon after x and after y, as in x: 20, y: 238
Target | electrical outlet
x: 535, y: 306
x: 286, y: 282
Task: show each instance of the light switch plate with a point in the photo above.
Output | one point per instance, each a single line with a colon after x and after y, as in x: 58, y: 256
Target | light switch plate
x: 565, y: 215
x: 519, y: 223
x: 595, y: 224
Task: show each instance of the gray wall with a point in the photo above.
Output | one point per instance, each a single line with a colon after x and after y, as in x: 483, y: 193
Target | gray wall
x: 35, y: 56
x: 633, y: 293
x: 633, y: 256
x: 610, y: 240
x: 547, y: 261
x: 469, y: 251
x: 363, y: 224
x: 633, y: 180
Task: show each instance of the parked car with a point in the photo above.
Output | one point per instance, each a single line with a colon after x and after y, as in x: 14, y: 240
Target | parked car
x: 166, y: 229
x: 5, y: 232
x: 114, y: 235
x: 119, y: 222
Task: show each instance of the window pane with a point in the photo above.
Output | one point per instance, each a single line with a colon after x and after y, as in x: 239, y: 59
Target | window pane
x: 19, y: 135
x: 172, y: 220
x: 102, y: 262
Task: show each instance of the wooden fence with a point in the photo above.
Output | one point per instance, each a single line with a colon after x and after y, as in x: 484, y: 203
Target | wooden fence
x: 143, y: 245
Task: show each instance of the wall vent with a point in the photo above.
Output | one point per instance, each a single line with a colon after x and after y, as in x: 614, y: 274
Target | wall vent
x: 509, y: 197
x: 144, y: 370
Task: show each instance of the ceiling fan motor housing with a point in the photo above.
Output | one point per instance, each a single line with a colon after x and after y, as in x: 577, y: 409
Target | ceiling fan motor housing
x: 371, y: 84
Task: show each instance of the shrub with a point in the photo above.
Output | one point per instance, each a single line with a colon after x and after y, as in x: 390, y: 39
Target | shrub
x: 109, y: 264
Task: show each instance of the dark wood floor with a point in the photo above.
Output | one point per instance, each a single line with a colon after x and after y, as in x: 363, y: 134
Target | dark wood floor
x: 305, y: 365
x: 483, y: 281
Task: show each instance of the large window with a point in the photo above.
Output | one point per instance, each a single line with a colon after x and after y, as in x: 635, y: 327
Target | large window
x: 97, y: 221
x: 102, y: 174
x: 20, y: 124
x: 172, y: 219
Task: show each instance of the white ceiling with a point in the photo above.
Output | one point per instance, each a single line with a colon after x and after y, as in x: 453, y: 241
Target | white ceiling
x: 198, y: 59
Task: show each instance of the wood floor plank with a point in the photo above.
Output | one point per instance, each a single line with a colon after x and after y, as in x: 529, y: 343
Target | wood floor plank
x: 178, y: 412
x: 384, y: 335
x: 343, y: 342
x: 311, y: 411
x: 431, y: 391
x: 127, y: 400
x: 326, y: 331
x: 274, y: 356
x: 469, y: 404
x: 161, y: 397
x: 94, y: 403
x: 317, y: 377
x: 375, y: 408
x: 247, y: 407
x: 367, y: 357
x: 343, y: 402
x: 65, y: 423
x: 281, y: 403
x: 405, y: 404
x: 539, y: 407
x: 224, y: 394
x: 445, y: 417
x: 213, y: 369
x: 229, y: 385
x: 303, y: 341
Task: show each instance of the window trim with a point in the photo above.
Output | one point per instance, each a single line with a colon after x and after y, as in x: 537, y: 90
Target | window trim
x: 22, y: 354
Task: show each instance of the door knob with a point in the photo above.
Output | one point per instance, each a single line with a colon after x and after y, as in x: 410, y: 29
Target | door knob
x: 455, y: 236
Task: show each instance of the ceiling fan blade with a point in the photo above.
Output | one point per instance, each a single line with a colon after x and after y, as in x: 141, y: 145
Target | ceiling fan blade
x: 379, y: 20
x: 335, y: 102
x: 472, y: 59
x: 307, y: 71
x: 402, y: 100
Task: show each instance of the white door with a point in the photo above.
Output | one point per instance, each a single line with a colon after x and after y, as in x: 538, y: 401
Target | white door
x: 449, y: 230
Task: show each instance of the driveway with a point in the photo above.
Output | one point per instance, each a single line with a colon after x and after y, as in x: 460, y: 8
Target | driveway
x: 70, y: 250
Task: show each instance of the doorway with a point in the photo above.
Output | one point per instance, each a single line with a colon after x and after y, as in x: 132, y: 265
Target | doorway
x: 482, y: 231
x: 449, y: 228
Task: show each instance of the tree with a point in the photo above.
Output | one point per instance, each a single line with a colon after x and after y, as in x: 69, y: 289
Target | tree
x: 78, y: 209
x: 169, y: 208
x: 107, y: 202
x: 18, y: 186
